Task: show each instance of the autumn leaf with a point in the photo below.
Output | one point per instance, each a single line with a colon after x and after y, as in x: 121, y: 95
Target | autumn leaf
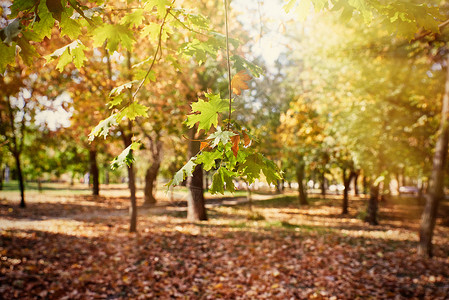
x: 246, y: 139
x: 238, y: 82
x: 235, y: 144
x: 204, y: 145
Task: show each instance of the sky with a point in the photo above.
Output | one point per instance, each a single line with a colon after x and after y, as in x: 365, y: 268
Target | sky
x: 265, y: 21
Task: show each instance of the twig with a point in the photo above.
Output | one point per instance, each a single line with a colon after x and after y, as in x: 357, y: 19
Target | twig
x: 159, y: 46
x: 228, y: 64
x: 185, y: 26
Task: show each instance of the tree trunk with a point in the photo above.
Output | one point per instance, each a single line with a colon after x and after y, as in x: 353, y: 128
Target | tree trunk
x: 94, y: 173
x: 346, y: 183
x: 436, y: 184
x: 356, y: 185
x: 365, y: 184
x: 133, y: 206
x: 150, y: 180
x: 302, y: 196
x: 2, y: 171
x: 196, y: 209
x: 323, y: 185
x: 39, y: 185
x: 20, y: 178
x: 371, y: 216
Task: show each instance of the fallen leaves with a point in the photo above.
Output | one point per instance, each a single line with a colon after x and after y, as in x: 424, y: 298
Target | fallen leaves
x: 291, y: 254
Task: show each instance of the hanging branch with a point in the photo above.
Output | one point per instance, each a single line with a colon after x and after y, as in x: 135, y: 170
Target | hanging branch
x: 228, y: 64
x: 159, y: 46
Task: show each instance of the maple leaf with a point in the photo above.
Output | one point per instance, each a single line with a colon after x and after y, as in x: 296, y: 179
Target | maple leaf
x: 161, y: 6
x: 102, y: 129
x: 220, y: 136
x: 126, y: 157
x: 208, y: 159
x: 133, y: 111
x: 221, y: 179
x: 207, y: 112
x: 246, y: 139
x: 8, y: 54
x: 185, y: 171
x: 238, y: 82
x: 113, y: 34
x: 235, y: 144
x: 46, y: 22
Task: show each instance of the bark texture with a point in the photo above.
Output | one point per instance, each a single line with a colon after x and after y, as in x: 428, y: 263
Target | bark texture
x: 300, y: 174
x: 373, y: 203
x: 94, y: 172
x: 196, y: 209
x: 436, y: 184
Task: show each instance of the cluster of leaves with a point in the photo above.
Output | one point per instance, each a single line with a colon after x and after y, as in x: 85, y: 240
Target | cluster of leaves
x: 228, y: 152
x: 404, y: 18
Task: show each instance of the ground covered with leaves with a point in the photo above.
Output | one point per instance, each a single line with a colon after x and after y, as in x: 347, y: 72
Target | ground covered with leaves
x: 81, y: 249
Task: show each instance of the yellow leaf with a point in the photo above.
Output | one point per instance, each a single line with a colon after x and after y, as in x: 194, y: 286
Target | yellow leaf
x: 238, y: 82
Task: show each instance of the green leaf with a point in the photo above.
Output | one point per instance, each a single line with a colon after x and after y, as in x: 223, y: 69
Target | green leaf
x: 222, y: 178
x: 8, y: 53
x: 217, y: 183
x: 133, y: 111
x: 45, y: 24
x: 133, y: 19
x: 102, y: 129
x: 186, y: 170
x: 69, y: 27
x: 21, y: 5
x: 113, y: 34
x: 207, y: 112
x: 126, y: 157
x: 256, y: 163
x: 208, y: 159
x: 153, y: 30
x: 363, y: 7
x: 119, y: 89
x: 220, y: 136
x: 73, y: 52
x: 117, y: 100
x: 161, y: 6
x: 27, y: 51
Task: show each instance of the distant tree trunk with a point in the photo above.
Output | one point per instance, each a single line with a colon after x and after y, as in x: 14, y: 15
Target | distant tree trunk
x: 20, y: 178
x: 1, y: 177
x: 131, y: 182
x: 323, y: 185
x: 196, y: 209
x: 106, y: 175
x: 94, y: 173
x: 39, y: 185
x: 436, y: 184
x: 150, y: 180
x: 300, y: 172
x: 371, y: 216
x: 356, y: 185
x: 365, y: 184
x: 346, y: 182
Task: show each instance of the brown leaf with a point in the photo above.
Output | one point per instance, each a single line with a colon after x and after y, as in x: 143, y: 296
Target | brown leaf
x: 246, y: 139
x: 235, y: 144
x: 238, y: 82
